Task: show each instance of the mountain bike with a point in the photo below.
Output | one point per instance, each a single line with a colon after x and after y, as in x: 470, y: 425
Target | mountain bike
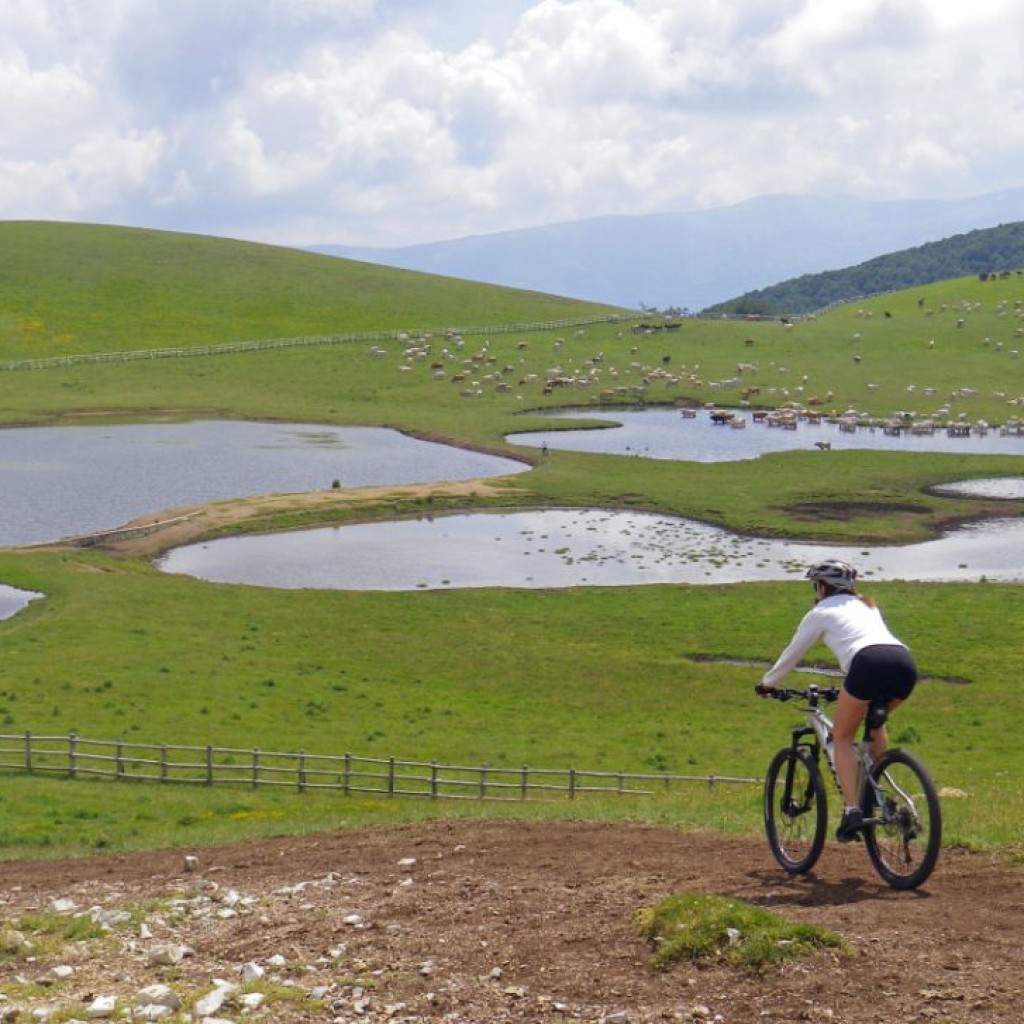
x: 902, y: 817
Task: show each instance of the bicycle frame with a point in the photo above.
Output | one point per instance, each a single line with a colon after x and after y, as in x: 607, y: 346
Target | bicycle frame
x: 819, y: 726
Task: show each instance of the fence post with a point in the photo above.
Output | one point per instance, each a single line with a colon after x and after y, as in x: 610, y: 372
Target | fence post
x: 433, y: 780
x: 28, y: 751
x: 302, y: 771
x: 524, y: 782
x: 347, y: 776
x: 209, y: 765
x: 483, y: 781
x: 622, y: 782
x: 72, y: 754
x: 391, y: 776
x: 255, y: 767
x: 163, y: 762
x: 120, y: 759
x: 572, y: 783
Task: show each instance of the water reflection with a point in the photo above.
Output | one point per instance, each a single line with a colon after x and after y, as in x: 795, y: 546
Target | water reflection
x: 567, y: 548
x: 62, y: 481
x: 994, y: 487
x: 666, y: 434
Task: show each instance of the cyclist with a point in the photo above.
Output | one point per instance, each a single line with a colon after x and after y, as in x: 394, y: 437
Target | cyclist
x: 876, y: 665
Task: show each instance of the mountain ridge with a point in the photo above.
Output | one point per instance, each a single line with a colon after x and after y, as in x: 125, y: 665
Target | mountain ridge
x: 697, y: 259
x: 985, y: 252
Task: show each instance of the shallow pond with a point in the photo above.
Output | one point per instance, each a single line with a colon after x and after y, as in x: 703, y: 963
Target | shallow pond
x: 666, y: 434
x: 72, y: 480
x: 567, y: 548
x: 62, y: 481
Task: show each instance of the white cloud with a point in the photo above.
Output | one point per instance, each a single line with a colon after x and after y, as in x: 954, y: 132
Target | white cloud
x: 91, y: 181
x: 301, y: 121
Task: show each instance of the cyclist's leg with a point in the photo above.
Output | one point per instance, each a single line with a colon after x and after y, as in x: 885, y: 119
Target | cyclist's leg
x: 886, y: 672
x: 849, y: 715
x: 880, y: 735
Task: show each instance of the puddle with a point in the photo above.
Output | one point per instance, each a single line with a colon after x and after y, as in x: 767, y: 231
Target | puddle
x: 13, y: 600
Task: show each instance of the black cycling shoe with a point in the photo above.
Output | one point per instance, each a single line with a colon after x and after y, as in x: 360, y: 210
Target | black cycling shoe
x: 851, y: 826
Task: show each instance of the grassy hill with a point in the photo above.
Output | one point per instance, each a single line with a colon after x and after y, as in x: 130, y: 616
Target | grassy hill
x: 72, y: 288
x: 987, y: 254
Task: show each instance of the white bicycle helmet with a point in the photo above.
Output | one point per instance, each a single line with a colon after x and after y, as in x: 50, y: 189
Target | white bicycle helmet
x: 834, y: 572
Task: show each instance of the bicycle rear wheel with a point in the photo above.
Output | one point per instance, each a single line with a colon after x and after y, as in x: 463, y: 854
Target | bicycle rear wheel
x: 903, y: 830
x: 795, y: 813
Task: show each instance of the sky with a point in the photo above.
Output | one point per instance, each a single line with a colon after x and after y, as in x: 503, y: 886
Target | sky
x: 394, y: 122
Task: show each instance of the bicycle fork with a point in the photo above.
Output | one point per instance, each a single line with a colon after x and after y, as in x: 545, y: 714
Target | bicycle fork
x: 793, y: 804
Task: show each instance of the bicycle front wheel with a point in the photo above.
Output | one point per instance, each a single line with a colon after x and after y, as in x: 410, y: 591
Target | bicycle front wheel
x: 795, y: 813
x: 903, y: 820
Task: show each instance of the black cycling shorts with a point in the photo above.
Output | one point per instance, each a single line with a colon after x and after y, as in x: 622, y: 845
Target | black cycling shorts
x: 881, y: 672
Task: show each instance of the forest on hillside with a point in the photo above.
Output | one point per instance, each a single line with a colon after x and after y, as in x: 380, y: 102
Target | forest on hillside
x: 988, y: 252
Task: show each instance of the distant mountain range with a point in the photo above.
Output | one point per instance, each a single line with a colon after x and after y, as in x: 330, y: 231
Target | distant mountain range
x: 698, y: 259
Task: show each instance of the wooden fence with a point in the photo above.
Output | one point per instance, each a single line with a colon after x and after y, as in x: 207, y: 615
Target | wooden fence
x: 72, y: 757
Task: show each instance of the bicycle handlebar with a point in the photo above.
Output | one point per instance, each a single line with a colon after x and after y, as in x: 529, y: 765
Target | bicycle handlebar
x: 813, y: 694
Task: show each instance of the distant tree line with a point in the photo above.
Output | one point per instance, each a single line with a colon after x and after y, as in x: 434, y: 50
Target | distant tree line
x: 989, y: 252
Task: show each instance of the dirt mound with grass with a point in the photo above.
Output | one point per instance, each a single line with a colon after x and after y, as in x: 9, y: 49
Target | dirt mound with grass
x: 502, y: 921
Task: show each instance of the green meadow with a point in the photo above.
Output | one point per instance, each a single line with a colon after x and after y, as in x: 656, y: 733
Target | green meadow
x: 645, y: 679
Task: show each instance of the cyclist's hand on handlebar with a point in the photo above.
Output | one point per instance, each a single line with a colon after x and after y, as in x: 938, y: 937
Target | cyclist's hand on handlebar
x: 775, y: 692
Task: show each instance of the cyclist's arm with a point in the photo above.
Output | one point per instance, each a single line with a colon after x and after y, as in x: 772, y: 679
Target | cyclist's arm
x: 808, y: 633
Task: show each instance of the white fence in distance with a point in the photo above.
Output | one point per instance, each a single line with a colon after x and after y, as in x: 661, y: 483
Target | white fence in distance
x: 264, y: 344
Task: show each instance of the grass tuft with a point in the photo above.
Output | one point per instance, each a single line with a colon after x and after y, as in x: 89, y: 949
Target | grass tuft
x: 721, y: 929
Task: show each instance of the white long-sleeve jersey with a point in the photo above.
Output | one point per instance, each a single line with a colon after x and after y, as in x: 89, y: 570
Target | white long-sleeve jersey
x: 846, y: 625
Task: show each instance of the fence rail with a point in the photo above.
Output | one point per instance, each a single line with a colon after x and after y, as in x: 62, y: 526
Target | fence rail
x: 73, y: 757
x: 262, y: 344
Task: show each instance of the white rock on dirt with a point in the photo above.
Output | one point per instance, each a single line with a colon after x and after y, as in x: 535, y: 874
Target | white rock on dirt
x: 214, y: 1000
x: 168, y: 956
x: 158, y: 994
x: 251, y: 972
x: 151, y: 1012
x: 101, y: 1007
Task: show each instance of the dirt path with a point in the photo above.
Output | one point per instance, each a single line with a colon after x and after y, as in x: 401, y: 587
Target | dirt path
x: 497, y: 921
